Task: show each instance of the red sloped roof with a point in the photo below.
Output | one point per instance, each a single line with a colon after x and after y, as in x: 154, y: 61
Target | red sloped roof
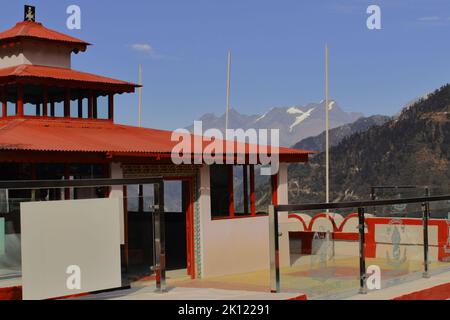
x: 82, y: 135
x: 29, y: 29
x: 54, y: 73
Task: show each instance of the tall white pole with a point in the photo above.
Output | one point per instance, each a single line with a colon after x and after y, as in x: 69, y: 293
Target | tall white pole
x: 228, y: 90
x: 327, y: 127
x: 140, y: 97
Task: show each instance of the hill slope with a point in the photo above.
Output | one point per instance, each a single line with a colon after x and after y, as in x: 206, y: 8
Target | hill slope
x: 412, y: 149
x: 317, y: 143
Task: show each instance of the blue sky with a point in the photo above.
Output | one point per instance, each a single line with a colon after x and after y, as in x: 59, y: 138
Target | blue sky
x: 278, y: 52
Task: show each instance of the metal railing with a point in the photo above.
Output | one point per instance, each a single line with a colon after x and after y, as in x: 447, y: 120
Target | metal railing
x: 159, y: 219
x: 361, y: 205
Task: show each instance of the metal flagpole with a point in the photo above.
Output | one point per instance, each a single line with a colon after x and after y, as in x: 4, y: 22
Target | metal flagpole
x: 228, y: 90
x: 327, y: 127
x: 140, y: 97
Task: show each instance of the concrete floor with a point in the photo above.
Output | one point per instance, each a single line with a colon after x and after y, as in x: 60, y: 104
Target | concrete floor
x: 405, y: 288
x: 180, y: 293
x: 337, y: 279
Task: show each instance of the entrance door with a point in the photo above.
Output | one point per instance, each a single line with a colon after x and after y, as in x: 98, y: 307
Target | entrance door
x: 178, y: 202
x: 178, y: 228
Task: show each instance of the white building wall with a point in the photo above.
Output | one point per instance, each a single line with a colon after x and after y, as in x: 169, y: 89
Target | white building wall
x: 237, y: 245
x: 283, y: 218
x: 117, y: 192
x: 36, y: 54
x: 11, y: 56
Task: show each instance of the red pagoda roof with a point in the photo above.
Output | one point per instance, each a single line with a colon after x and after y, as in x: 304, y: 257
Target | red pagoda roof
x: 26, y: 71
x: 99, y: 136
x: 35, y: 30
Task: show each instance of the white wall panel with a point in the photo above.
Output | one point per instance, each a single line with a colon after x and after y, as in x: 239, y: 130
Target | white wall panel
x: 59, y: 234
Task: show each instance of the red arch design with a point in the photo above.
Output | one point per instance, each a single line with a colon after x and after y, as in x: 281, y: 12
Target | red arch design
x: 350, y: 216
x: 294, y: 216
x: 323, y: 215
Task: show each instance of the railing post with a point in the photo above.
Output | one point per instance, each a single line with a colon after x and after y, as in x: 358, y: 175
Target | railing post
x: 160, y: 238
x: 362, y: 252
x: 274, y: 250
x: 425, y: 219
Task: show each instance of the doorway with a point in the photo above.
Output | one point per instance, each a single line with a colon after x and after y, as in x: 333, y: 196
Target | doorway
x: 178, y: 215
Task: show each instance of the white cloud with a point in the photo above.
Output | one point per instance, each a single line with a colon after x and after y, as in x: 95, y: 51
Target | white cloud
x: 429, y: 18
x: 147, y: 49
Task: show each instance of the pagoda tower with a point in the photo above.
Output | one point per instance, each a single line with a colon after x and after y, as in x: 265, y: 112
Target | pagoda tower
x: 35, y: 68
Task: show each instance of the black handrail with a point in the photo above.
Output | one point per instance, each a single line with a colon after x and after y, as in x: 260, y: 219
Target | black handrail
x: 78, y: 183
x: 360, y: 205
x: 357, y: 204
x: 158, y: 182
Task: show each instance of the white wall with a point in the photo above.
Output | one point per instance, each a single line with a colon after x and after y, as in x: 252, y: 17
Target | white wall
x: 283, y: 219
x: 237, y: 245
x: 60, y: 234
x: 36, y: 54
x: 117, y: 192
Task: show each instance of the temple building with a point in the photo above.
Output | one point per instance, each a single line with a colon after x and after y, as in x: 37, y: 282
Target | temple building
x: 58, y: 123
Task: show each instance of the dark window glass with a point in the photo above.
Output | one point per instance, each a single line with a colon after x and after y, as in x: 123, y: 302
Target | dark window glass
x: 219, y: 186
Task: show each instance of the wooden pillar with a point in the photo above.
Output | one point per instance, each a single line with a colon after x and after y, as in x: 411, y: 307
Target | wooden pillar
x: 38, y: 107
x: 52, y: 108
x: 245, y: 176
x: 274, y: 183
x: 111, y: 106
x: 141, y: 199
x: 125, y: 216
x: 231, y: 191
x: 4, y: 103
x: 95, y: 107
x: 45, y: 101
x: 252, y: 191
x: 67, y: 104
x: 80, y: 106
x: 91, y: 105
x: 19, y: 101
x: 66, y: 177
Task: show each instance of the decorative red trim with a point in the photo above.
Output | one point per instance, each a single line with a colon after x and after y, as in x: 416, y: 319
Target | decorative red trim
x: 301, y: 297
x: 294, y: 216
x: 323, y: 215
x: 348, y: 236
x: 350, y: 216
x: 441, y: 292
x: 11, y: 293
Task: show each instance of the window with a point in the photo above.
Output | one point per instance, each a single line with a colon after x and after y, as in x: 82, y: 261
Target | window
x: 263, y: 192
x: 239, y: 191
x: 220, y: 190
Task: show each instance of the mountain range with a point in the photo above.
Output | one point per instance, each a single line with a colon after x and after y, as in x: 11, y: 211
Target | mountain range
x: 295, y: 122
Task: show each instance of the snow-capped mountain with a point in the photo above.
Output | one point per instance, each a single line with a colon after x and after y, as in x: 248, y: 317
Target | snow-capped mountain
x: 294, y: 122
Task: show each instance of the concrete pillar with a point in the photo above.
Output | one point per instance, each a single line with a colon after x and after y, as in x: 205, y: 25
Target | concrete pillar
x: 283, y: 219
x: 117, y: 192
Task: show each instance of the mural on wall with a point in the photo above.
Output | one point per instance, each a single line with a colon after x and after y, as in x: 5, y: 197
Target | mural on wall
x: 396, y: 230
